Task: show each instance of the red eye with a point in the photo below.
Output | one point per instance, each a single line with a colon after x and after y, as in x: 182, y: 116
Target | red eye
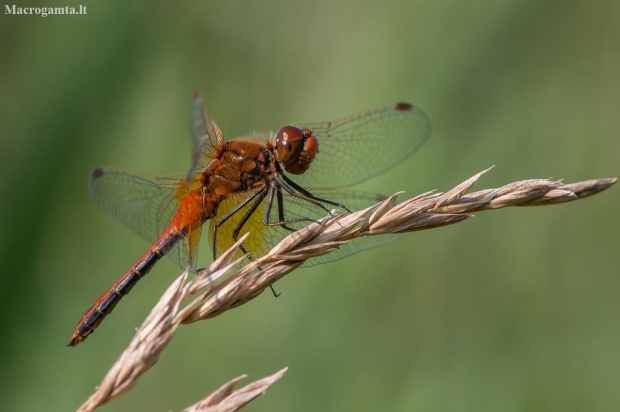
x: 289, y: 144
x: 296, y: 149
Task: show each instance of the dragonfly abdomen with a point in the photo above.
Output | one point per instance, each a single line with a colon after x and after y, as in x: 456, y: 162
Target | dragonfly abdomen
x: 106, y: 303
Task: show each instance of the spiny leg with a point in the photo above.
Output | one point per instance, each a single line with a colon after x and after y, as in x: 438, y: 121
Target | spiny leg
x: 244, y: 220
x: 282, y: 222
x: 281, y: 209
x: 293, y: 193
x: 310, y: 195
x: 272, y: 190
x: 228, y: 215
x: 248, y: 214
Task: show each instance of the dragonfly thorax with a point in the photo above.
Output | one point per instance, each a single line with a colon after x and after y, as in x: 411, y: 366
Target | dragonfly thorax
x: 240, y: 165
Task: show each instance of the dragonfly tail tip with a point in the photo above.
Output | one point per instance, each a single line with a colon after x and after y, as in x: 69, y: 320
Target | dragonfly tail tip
x: 74, y: 341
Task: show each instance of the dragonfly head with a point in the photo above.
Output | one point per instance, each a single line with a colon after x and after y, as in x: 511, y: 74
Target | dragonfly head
x: 296, y: 148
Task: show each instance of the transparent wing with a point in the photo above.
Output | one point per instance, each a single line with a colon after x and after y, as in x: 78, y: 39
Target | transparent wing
x: 354, y: 200
x: 356, y: 148
x: 206, y: 136
x: 263, y: 238
x: 145, y: 203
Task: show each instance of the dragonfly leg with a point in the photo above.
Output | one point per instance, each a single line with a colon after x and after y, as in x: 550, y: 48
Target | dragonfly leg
x: 282, y: 221
x: 280, y: 211
x: 248, y: 214
x: 291, y: 186
x: 244, y: 220
x: 223, y: 219
x: 293, y: 193
x: 250, y: 258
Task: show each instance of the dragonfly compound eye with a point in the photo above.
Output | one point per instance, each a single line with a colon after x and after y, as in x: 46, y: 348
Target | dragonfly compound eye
x: 296, y: 148
x: 289, y: 143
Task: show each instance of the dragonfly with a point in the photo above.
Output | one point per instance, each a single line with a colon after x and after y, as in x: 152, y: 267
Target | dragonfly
x: 268, y: 184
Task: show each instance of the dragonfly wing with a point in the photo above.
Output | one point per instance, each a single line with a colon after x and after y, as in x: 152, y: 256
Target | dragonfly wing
x: 145, y: 203
x: 295, y: 208
x: 184, y: 254
x: 356, y: 148
x: 260, y: 238
x: 206, y: 136
x: 263, y: 238
x: 353, y: 200
x: 190, y: 247
x: 352, y: 247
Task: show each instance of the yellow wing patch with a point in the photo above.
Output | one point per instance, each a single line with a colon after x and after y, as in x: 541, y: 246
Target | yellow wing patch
x: 257, y: 243
x: 193, y: 238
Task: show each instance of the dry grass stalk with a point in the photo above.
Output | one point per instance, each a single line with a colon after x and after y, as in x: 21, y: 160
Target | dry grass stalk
x: 225, y: 400
x: 210, y: 298
x: 156, y: 332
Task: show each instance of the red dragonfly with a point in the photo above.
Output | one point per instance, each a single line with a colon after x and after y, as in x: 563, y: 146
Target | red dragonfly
x: 267, y: 184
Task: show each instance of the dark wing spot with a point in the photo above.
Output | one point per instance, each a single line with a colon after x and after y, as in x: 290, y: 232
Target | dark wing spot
x: 97, y: 173
x: 406, y: 107
x: 289, y: 147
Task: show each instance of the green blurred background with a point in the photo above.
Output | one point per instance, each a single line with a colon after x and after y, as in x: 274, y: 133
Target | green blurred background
x: 514, y: 310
